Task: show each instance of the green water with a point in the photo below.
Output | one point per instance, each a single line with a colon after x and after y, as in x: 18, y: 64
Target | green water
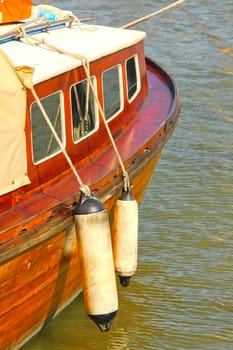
x: 182, y: 294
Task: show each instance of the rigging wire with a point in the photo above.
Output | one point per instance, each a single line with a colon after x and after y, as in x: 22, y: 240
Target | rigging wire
x: 142, y: 19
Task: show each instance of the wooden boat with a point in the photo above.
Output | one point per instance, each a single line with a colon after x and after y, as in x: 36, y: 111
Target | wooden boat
x: 83, y: 113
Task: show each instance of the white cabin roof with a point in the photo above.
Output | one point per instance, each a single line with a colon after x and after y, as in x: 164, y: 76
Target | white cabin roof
x: 92, y: 42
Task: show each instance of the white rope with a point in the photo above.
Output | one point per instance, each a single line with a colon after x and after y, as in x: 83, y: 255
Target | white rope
x: 86, y: 66
x: 142, y: 19
x: 84, y: 188
x: 126, y: 181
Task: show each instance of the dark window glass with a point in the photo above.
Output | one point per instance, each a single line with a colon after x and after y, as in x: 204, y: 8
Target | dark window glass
x: 43, y: 142
x: 112, y: 92
x: 132, y: 81
x: 83, y: 110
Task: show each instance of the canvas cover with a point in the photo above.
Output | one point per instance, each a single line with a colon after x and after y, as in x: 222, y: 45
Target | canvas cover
x: 12, y: 11
x: 13, y: 156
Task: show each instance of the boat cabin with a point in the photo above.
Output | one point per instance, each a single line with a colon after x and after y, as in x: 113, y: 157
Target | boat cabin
x: 57, y: 55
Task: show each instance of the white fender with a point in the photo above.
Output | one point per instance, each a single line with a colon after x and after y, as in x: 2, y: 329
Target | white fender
x: 125, y: 237
x: 96, y: 258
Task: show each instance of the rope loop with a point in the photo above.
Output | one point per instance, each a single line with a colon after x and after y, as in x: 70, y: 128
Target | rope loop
x: 72, y: 20
x: 85, y: 190
x: 126, y: 182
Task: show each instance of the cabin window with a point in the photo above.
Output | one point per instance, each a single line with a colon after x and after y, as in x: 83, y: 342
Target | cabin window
x: 83, y: 109
x: 133, y: 80
x: 112, y: 89
x: 43, y: 142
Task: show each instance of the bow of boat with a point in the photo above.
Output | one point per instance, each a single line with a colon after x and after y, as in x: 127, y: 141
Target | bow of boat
x: 76, y: 103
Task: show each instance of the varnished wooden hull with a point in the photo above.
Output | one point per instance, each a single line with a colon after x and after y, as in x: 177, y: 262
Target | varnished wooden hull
x: 42, y: 273
x: 39, y: 267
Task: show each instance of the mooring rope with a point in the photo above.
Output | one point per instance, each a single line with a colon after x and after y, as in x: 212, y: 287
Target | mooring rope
x: 84, y: 188
x: 142, y: 19
x: 86, y: 66
x: 126, y: 181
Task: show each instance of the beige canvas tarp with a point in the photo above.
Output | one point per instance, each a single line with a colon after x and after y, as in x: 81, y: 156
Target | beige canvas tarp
x: 13, y: 158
